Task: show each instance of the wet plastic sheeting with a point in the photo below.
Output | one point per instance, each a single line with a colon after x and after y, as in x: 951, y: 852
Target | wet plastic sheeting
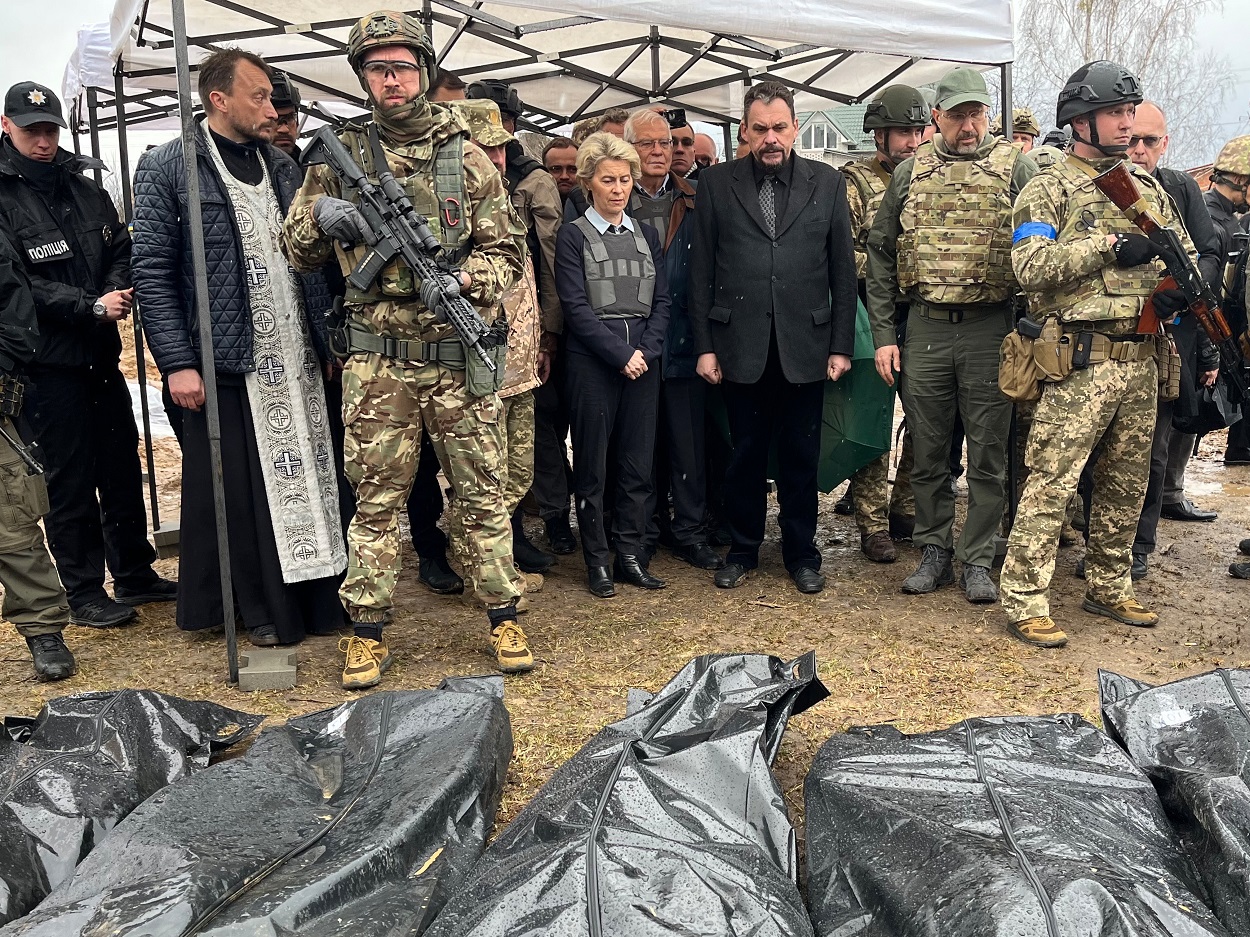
x: 359, y: 820
x: 69, y: 775
x: 667, y: 822
x: 1002, y: 827
x: 1192, y: 738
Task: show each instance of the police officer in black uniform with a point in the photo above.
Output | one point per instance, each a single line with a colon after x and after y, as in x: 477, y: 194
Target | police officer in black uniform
x: 76, y: 255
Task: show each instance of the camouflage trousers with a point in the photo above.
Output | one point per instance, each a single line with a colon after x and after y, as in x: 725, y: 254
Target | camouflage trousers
x: 386, y: 405
x: 1109, y: 401
x: 874, y: 499
x: 518, y: 412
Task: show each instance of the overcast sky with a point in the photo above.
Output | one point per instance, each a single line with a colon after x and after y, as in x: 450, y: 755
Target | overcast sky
x: 37, y: 37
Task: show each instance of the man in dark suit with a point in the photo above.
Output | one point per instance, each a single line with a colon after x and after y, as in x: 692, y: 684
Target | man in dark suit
x: 772, y: 306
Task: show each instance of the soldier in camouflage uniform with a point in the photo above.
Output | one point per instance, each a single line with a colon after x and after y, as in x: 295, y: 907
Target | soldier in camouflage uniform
x: 406, y: 370
x: 1081, y: 260
x: 1024, y: 128
x: 941, y: 241
x: 520, y: 305
x: 897, y: 118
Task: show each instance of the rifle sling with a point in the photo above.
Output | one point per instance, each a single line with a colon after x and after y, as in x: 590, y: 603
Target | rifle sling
x: 1132, y: 212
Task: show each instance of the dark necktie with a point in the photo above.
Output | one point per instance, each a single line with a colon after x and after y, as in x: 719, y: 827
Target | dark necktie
x: 768, y: 204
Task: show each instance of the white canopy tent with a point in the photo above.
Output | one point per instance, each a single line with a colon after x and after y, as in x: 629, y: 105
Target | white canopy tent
x: 568, y: 58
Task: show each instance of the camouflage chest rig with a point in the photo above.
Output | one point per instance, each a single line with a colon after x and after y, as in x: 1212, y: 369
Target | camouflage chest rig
x: 957, y: 222
x: 447, y: 201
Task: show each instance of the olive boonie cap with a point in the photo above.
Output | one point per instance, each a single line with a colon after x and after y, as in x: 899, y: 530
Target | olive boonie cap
x: 485, y: 125
x: 29, y: 103
x: 961, y: 86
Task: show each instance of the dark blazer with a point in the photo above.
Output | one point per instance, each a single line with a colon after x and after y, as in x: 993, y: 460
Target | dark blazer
x: 613, y: 341
x: 744, y: 284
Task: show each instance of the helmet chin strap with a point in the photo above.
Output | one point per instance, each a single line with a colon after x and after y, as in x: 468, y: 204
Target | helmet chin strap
x: 1118, y: 150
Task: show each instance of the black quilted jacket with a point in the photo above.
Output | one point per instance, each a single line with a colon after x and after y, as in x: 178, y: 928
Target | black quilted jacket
x: 161, y: 262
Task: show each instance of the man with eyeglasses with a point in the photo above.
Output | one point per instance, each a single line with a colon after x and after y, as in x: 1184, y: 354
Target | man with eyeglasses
x: 664, y: 200
x: 941, y: 242
x: 285, y: 100
x: 407, y: 370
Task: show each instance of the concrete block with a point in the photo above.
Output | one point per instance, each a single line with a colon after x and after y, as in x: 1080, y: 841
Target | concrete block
x: 266, y: 668
x: 166, y: 538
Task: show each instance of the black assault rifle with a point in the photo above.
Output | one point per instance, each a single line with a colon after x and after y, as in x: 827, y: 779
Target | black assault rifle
x: 1118, y: 185
x: 401, y: 231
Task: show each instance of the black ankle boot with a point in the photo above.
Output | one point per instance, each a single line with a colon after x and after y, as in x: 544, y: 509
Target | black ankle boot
x: 436, y: 573
x: 528, y: 558
x: 631, y: 569
x: 599, y: 580
x: 560, y: 534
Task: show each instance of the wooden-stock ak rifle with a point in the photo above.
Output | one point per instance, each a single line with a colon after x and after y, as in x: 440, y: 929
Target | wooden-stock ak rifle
x: 1182, y: 273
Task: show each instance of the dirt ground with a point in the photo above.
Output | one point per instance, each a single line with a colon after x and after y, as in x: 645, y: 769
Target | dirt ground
x: 919, y: 662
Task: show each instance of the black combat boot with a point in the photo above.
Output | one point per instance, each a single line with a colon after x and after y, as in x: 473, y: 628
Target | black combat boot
x: 528, y: 558
x: 53, y: 660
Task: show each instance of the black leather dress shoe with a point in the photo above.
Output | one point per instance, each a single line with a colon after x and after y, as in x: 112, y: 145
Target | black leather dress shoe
x: 599, y: 580
x: 808, y: 580
x: 1235, y: 456
x: 560, y: 534
x: 1185, y: 511
x: 730, y: 576
x: 630, y: 569
x: 698, y: 555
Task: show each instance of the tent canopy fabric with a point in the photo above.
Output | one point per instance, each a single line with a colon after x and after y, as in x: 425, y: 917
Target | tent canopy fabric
x: 575, y: 58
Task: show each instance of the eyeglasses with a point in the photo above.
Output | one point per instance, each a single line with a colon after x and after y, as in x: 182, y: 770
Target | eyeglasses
x: 1150, y: 141
x: 291, y: 118
x: 653, y: 144
x: 401, y: 70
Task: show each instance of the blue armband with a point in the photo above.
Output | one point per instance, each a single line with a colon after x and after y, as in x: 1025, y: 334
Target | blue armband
x: 1034, y: 229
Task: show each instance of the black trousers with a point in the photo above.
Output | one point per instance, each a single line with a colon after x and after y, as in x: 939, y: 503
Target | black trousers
x: 773, y: 408
x: 608, y: 410
x: 85, y: 428
x: 551, y: 429
x: 681, y: 459
x: 425, y: 501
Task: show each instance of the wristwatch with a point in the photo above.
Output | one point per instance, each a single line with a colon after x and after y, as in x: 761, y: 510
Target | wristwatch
x: 100, y: 311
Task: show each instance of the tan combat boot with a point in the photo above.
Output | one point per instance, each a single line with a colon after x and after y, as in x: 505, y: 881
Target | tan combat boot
x: 1040, y: 632
x: 366, y: 661
x: 512, y: 652
x: 1127, y: 612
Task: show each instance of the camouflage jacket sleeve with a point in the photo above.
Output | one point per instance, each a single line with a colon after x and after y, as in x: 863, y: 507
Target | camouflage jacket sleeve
x: 856, y: 206
x: 546, y: 215
x: 1040, y: 261
x: 302, y: 241
x: 498, y: 256
x: 881, y: 275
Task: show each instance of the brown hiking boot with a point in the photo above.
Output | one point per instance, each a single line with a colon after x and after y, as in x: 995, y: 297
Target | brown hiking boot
x: 1040, y: 632
x: 366, y: 661
x: 878, y: 546
x: 1128, y: 612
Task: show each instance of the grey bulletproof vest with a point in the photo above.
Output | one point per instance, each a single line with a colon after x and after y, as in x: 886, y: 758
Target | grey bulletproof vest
x: 620, y: 274
x: 654, y: 211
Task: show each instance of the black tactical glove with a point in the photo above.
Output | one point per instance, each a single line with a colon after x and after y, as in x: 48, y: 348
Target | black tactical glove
x: 1168, y: 303
x: 1131, y: 250
x: 432, y: 292
x: 341, y: 220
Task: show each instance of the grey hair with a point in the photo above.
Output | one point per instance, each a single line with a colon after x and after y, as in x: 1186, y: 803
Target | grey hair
x: 640, y: 118
x: 766, y: 92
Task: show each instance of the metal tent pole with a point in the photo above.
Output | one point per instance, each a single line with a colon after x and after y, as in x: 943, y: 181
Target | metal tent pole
x: 94, y: 129
x: 208, y: 369
x: 141, y: 368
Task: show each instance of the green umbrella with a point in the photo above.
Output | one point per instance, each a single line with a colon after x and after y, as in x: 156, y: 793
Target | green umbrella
x: 858, y: 420
x: 859, y: 413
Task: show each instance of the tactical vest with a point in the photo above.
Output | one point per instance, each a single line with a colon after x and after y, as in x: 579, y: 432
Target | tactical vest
x: 654, y: 211
x: 870, y: 180
x: 955, y: 248
x: 620, y: 279
x: 445, y: 205
x: 1109, y: 292
x: 1045, y: 156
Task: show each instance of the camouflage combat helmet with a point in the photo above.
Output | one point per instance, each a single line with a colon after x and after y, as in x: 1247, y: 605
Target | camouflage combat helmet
x: 1095, y: 86
x: 897, y: 106
x: 485, y: 125
x: 1234, y: 157
x: 1022, y: 121
x: 389, y: 28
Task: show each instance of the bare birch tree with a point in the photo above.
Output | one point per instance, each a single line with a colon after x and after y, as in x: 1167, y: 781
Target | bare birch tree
x: 1153, y: 39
